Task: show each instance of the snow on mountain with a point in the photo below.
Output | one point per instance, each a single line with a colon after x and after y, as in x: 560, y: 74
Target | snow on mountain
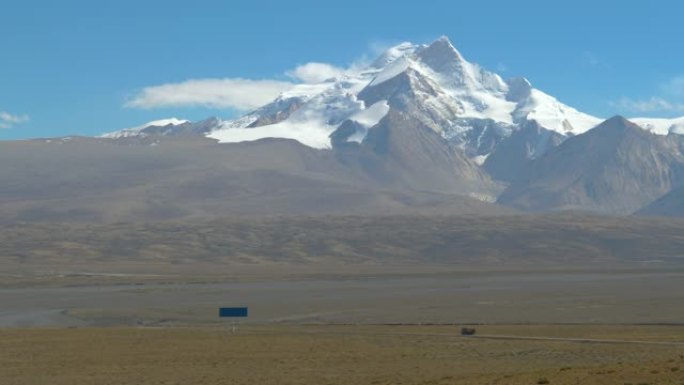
x: 368, y: 118
x: 137, y: 131
x: 311, y: 126
x: 308, y: 113
x: 661, y: 126
x: 393, y: 54
x: 552, y: 114
x: 456, y: 74
x: 433, y: 83
x: 466, y: 104
x: 392, y: 69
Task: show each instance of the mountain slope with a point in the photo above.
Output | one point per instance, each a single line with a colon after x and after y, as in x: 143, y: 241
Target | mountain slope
x: 401, y: 152
x: 616, y: 168
x: 669, y: 205
x: 161, y: 178
x: 510, y: 160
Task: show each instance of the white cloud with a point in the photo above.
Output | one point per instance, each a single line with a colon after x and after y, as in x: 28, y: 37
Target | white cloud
x: 653, y: 104
x: 237, y: 93
x: 241, y: 94
x: 313, y: 73
x: 670, y: 98
x: 8, y: 120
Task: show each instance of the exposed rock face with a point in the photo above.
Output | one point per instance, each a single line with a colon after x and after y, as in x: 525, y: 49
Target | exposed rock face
x: 510, y: 160
x: 416, y: 95
x: 615, y: 168
x: 669, y: 205
x: 401, y: 151
x: 280, y: 110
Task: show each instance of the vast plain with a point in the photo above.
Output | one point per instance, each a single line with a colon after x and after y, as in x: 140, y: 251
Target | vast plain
x: 345, y: 300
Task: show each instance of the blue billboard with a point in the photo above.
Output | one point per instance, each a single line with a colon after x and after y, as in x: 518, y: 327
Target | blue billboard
x: 233, y: 312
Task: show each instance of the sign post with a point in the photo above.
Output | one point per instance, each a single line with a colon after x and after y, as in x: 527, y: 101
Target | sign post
x: 233, y: 313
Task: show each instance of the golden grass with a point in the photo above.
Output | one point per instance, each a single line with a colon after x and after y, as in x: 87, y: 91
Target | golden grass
x: 336, y: 355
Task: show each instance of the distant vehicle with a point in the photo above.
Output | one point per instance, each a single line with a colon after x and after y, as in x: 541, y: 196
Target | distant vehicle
x: 467, y: 331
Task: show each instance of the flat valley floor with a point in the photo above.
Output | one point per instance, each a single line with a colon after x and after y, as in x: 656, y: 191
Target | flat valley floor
x: 373, y: 325
x: 365, y: 295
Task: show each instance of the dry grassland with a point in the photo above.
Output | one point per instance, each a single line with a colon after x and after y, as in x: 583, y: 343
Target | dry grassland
x: 338, y: 355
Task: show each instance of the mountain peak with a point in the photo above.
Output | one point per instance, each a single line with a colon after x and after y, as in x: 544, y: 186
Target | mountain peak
x: 618, y: 128
x: 617, y: 119
x: 393, y: 53
x: 618, y: 122
x: 445, y: 42
x: 440, y: 54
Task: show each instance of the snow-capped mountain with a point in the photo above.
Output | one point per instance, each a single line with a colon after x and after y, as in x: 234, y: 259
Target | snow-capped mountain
x: 421, y: 118
x: 418, y: 130
x: 433, y: 83
x: 466, y: 104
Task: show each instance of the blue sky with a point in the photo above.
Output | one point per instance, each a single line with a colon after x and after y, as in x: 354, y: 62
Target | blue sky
x: 77, y: 67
